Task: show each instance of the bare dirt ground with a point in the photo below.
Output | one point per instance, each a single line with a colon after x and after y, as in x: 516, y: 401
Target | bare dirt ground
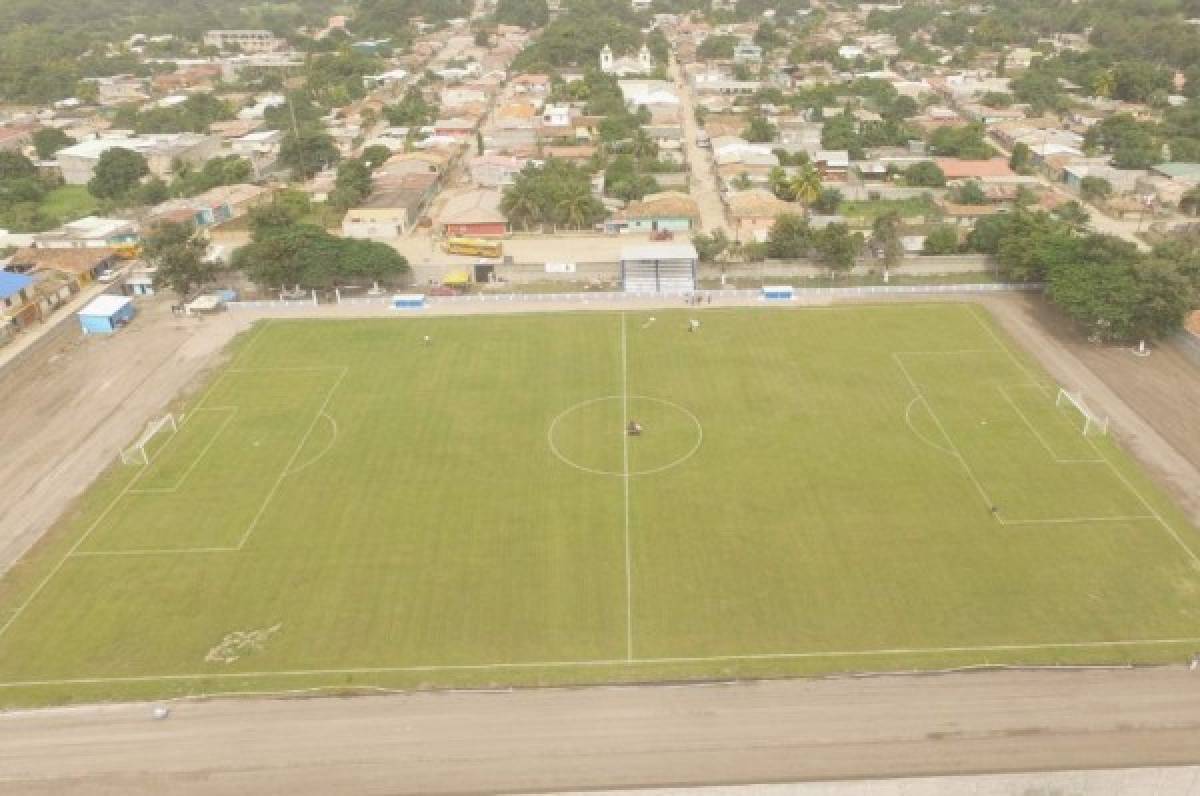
x: 545, y: 740
x: 70, y: 407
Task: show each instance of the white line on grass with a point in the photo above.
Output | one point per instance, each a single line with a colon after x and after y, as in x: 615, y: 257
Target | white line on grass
x: 292, y: 459
x: 166, y: 490
x: 1053, y: 455
x: 109, y: 508
x: 1116, y: 471
x: 467, y: 667
x: 625, y: 485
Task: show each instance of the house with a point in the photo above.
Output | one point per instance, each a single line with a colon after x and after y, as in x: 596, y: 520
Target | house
x: 16, y: 301
x: 89, y: 233
x: 457, y: 128
x: 161, y: 151
x: 834, y: 164
x: 260, y: 148
x: 556, y: 116
x: 247, y: 41
x: 967, y: 215
x: 213, y: 207
x: 648, y: 93
x: 753, y: 213
x: 473, y: 214
x: 747, y: 53
x: 120, y: 89
x: 82, y: 265
x: 389, y: 214
x: 496, y: 171
x: 577, y: 153
x: 16, y: 137
x: 993, y: 170
x: 669, y: 211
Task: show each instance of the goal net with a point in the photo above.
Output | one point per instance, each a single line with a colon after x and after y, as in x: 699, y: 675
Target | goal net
x: 139, y: 453
x: 1092, y: 422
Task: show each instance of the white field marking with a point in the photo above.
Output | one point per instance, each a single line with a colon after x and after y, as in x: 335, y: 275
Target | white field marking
x: 166, y: 490
x: 1053, y: 455
x: 949, y: 440
x: 297, y: 369
x: 550, y: 434
x: 1099, y: 452
x: 1075, y: 520
x: 328, y: 446
x: 148, y: 551
x: 625, y: 486
x: 918, y: 434
x: 108, y: 509
x: 466, y: 667
x: 292, y: 460
x: 975, y: 480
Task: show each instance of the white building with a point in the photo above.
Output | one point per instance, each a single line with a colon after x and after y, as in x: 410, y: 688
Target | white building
x: 625, y: 66
x: 78, y: 162
x: 250, y: 41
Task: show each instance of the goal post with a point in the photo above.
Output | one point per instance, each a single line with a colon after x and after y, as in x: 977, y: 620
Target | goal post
x: 138, y: 452
x: 1092, y: 422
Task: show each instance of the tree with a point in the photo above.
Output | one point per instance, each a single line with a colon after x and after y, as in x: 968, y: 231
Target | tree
x: 790, y: 237
x: 15, y: 166
x: 828, y: 201
x: 526, y: 14
x: 117, y: 173
x: 375, y: 156
x: 780, y: 185
x: 759, y: 130
x: 520, y: 204
x: 942, y: 239
x: 1190, y: 201
x: 1021, y: 159
x: 352, y: 185
x: 709, y: 248
x: 177, y: 252
x: 806, y: 184
x: 926, y: 174
x: 887, y: 240
x: 837, y: 247
x: 308, y: 153
x: 1095, y: 189
x: 49, y: 140
x: 970, y: 193
x: 1072, y: 214
x: 288, y: 253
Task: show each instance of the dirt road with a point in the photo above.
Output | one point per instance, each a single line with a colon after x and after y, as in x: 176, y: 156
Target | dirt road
x: 67, y: 411
x: 613, y: 737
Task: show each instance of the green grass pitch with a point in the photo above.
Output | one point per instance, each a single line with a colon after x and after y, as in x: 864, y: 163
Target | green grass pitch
x: 818, y: 490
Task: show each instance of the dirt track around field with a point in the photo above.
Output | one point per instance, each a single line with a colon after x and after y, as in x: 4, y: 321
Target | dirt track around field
x: 540, y: 740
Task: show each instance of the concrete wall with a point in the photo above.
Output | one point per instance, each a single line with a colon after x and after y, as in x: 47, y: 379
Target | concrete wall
x: 525, y: 273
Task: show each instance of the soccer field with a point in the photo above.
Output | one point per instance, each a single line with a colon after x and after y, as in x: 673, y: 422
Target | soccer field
x: 815, y: 490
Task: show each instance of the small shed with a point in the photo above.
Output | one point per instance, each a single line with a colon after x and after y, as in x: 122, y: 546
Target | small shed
x: 205, y: 305
x: 408, y: 301
x: 778, y: 292
x: 105, y: 314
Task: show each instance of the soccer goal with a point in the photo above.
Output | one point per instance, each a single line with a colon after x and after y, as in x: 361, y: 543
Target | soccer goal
x: 1092, y: 422
x: 137, y: 453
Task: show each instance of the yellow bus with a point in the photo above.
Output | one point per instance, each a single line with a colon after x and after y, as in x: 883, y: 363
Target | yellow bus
x: 474, y: 247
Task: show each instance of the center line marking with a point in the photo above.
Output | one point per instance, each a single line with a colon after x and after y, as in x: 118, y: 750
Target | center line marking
x: 625, y: 484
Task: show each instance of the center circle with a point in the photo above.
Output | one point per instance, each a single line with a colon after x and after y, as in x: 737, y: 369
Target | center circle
x: 593, y: 435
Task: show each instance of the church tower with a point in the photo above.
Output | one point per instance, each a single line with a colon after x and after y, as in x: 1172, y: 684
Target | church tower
x: 606, y: 59
x: 646, y: 60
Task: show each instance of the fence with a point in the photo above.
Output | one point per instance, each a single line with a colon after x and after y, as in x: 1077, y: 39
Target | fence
x: 600, y: 297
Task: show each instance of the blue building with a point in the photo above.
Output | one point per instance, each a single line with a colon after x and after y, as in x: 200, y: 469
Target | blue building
x: 105, y: 314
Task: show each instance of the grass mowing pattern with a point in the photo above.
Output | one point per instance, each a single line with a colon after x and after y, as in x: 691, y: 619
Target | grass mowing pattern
x: 848, y: 488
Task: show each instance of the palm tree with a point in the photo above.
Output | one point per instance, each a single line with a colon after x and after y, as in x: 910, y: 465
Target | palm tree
x: 577, y: 209
x: 520, y: 204
x: 1103, y: 83
x: 806, y: 185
